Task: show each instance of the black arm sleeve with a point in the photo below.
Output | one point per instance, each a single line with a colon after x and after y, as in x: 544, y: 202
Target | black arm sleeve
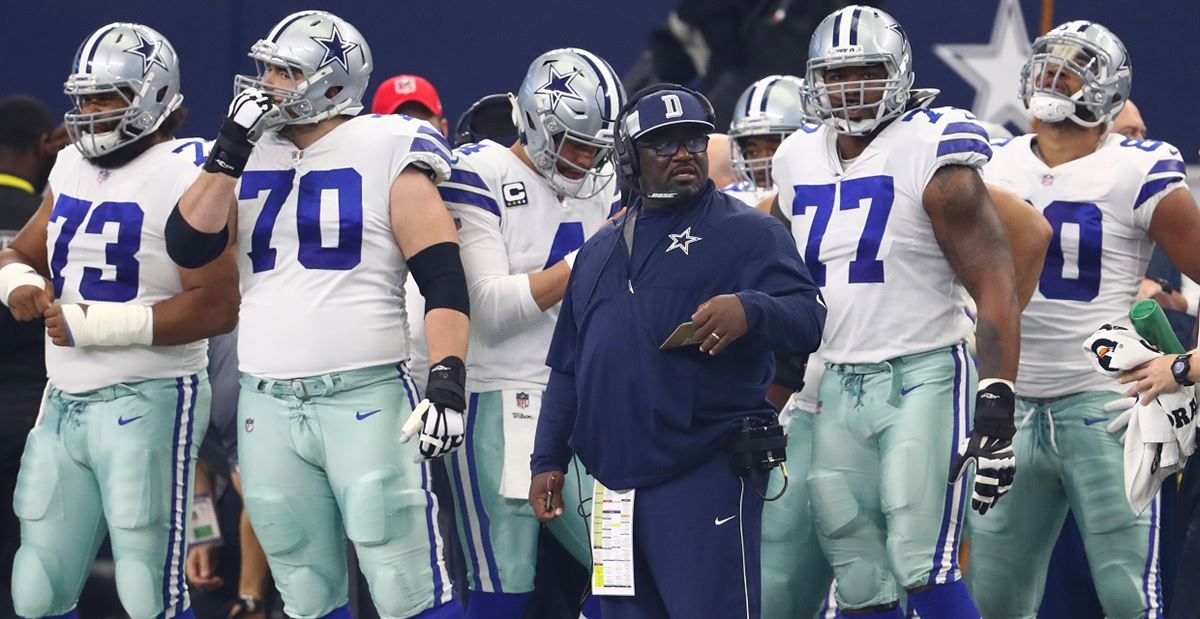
x: 189, y: 247
x: 439, y: 274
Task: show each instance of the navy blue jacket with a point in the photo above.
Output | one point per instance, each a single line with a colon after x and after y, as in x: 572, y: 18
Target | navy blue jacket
x: 638, y: 416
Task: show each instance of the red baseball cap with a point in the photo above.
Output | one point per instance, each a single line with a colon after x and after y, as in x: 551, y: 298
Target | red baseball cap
x: 400, y: 89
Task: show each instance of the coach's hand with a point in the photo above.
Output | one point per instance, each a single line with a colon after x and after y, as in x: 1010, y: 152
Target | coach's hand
x: 201, y: 568
x: 718, y: 322
x: 29, y: 302
x: 439, y: 417
x: 545, y: 495
x: 990, y: 447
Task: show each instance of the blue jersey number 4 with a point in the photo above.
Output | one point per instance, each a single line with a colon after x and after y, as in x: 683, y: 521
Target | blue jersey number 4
x: 879, y: 192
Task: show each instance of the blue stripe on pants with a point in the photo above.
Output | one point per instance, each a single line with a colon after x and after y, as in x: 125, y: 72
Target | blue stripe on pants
x: 484, y: 526
x: 173, y: 588
x: 434, y: 564
x: 943, y: 566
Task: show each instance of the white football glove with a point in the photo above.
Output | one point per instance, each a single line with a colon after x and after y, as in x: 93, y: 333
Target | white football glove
x: 253, y: 110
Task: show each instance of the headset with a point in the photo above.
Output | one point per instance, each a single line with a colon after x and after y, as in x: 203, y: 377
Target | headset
x: 625, y: 154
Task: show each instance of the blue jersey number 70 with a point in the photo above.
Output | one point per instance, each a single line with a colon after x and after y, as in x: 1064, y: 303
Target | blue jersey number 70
x: 880, y: 191
x: 312, y: 254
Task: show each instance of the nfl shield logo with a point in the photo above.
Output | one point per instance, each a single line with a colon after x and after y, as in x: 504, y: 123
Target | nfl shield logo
x: 249, y: 424
x: 522, y: 400
x: 102, y: 175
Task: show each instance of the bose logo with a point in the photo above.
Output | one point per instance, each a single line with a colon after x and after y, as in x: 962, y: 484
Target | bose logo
x: 674, y: 106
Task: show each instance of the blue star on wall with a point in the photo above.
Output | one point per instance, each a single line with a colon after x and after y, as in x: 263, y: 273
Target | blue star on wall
x: 559, y: 87
x: 336, y: 48
x: 148, y: 50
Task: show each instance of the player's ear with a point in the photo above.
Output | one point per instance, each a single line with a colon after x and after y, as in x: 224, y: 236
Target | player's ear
x: 332, y: 92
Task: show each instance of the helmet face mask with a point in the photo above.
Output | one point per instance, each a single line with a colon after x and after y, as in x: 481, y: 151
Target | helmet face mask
x: 767, y: 112
x: 1078, y: 71
x: 566, y: 107
x: 857, y: 37
x: 329, y: 63
x: 130, y: 63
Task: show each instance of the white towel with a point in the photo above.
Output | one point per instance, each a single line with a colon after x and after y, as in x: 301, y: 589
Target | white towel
x: 1162, y: 434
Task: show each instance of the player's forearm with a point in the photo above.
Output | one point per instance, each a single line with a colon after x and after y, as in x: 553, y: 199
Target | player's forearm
x: 548, y: 286
x: 205, y: 206
x: 446, y: 332
x: 500, y: 302
x: 195, y: 314
x: 998, y: 332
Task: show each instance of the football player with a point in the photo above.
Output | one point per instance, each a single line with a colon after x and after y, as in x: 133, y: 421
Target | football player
x: 127, y: 403
x: 331, y: 211
x: 766, y: 113
x: 886, y: 202
x: 1109, y: 199
x: 525, y: 210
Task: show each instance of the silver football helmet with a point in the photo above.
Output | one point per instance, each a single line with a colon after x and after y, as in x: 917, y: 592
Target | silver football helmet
x: 569, y: 95
x: 770, y: 107
x: 850, y: 37
x: 137, y: 64
x: 324, y: 53
x: 1095, y: 56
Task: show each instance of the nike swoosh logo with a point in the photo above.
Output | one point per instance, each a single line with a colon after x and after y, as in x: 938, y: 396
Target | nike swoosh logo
x: 360, y: 415
x: 904, y: 390
x: 721, y: 521
x: 123, y: 421
x: 1091, y: 421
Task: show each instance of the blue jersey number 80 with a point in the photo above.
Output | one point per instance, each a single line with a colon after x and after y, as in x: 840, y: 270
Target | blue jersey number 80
x: 346, y: 182
x: 1085, y: 284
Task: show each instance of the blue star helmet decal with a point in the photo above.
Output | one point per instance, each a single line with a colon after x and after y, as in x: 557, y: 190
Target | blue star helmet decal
x: 148, y: 50
x: 336, y: 48
x: 559, y: 87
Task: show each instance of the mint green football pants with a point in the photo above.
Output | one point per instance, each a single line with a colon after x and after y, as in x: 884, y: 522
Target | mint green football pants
x: 882, y: 449
x: 1065, y: 459
x: 321, y: 461
x: 118, y: 460
x: 499, y: 535
x: 795, y: 574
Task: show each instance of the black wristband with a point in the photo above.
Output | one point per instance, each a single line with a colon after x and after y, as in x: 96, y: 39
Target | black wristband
x: 231, y: 150
x: 447, y: 384
x: 994, y: 407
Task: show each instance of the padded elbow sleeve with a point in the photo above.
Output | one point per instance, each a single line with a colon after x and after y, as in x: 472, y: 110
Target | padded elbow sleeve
x: 439, y: 274
x: 189, y: 247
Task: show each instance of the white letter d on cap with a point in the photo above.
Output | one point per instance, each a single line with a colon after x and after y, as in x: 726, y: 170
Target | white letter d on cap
x: 673, y: 105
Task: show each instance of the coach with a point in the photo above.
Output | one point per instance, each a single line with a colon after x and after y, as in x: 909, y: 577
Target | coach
x: 661, y: 419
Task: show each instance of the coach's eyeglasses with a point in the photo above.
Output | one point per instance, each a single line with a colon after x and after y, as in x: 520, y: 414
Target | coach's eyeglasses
x: 667, y: 148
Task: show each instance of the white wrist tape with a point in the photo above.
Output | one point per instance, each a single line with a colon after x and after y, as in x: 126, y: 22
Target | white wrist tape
x: 14, y: 275
x: 570, y: 259
x: 984, y: 382
x: 109, y: 324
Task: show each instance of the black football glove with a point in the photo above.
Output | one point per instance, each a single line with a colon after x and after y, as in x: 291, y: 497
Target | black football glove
x: 439, y: 417
x: 990, y: 447
x: 249, y: 114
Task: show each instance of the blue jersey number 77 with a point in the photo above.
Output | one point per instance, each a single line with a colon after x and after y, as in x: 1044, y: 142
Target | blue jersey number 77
x: 879, y: 191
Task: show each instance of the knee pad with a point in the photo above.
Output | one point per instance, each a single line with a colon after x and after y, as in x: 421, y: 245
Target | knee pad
x: 863, y: 585
x: 996, y: 589
x: 33, y: 586
x: 1105, y: 513
x: 1122, y: 588
x: 133, y: 490
x: 139, y: 586
x: 378, y: 507
x: 38, y: 494
x: 905, y: 469
x: 834, y: 505
x: 398, y: 588
x: 305, y: 590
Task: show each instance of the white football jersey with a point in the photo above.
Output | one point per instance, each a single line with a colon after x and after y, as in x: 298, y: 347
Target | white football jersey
x: 512, y: 224
x: 866, y: 238
x: 747, y: 192
x: 322, y: 275
x: 1099, y: 207
x: 105, y: 242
